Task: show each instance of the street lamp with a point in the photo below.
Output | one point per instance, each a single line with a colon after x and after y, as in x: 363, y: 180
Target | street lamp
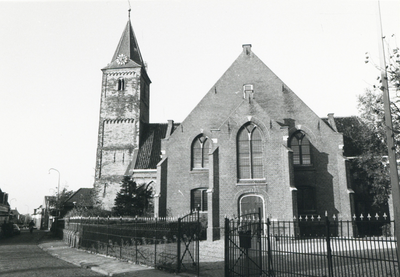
x: 58, y: 196
x: 11, y: 201
x: 58, y: 186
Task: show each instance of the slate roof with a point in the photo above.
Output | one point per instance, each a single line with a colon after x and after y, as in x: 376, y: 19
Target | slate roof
x: 346, y: 126
x: 149, y: 154
x: 129, y: 47
x: 344, y: 122
x: 81, y: 196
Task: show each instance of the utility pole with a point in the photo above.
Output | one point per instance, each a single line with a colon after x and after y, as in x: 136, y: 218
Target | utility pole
x: 394, y: 177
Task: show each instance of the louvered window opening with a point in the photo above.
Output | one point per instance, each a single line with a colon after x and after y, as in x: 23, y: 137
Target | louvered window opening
x: 121, y: 84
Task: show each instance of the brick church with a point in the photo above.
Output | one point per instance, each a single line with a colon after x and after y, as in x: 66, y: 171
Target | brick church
x: 250, y: 143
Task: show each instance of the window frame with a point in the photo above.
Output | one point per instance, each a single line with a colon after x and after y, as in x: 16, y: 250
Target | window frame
x: 201, y: 154
x: 120, y: 84
x: 299, y: 136
x: 203, y: 199
x: 252, y: 156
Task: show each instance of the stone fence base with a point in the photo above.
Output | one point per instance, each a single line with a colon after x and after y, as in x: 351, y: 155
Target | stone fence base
x: 72, y: 238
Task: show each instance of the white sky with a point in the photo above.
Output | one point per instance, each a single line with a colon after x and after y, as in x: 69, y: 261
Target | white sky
x: 52, y: 53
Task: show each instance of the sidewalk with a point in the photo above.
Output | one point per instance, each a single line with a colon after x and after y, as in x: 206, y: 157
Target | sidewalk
x: 99, y: 263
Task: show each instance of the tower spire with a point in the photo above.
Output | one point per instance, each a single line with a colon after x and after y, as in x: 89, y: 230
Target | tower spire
x: 127, y: 53
x: 129, y: 11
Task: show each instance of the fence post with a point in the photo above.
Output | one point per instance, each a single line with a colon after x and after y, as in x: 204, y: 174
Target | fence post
x: 136, y: 250
x: 259, y: 240
x: 328, y: 246
x: 178, y: 265
x: 108, y: 238
x: 269, y: 247
x: 155, y: 246
x: 226, y: 247
x: 198, y: 242
x: 81, y: 238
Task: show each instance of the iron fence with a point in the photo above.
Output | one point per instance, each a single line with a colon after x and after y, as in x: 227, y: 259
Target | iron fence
x: 312, y: 247
x: 168, y: 243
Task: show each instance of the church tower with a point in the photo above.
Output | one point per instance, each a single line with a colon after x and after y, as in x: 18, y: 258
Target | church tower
x: 124, y: 108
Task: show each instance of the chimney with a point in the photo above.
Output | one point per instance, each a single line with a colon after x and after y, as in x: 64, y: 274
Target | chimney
x: 247, y: 49
x: 169, y: 129
x: 331, y: 121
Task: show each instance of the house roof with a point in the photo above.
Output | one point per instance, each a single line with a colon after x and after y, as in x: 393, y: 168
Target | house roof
x: 128, y: 47
x: 82, y: 196
x: 15, y: 212
x: 149, y: 153
x: 348, y: 126
x: 344, y: 122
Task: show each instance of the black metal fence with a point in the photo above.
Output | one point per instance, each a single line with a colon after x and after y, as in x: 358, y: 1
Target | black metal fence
x: 168, y: 243
x: 309, y: 247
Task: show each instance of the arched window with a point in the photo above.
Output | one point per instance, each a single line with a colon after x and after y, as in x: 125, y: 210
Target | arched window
x: 200, y: 150
x: 250, y: 153
x: 121, y: 84
x: 301, y: 149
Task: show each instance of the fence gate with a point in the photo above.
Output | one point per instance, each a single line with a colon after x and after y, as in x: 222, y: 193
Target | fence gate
x: 189, y: 229
x: 243, y: 246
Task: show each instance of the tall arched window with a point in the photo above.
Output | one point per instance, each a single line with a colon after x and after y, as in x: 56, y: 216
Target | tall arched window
x: 250, y: 153
x: 200, y: 150
x: 301, y: 149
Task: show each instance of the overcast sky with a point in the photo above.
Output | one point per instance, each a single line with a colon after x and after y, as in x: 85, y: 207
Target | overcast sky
x: 52, y: 53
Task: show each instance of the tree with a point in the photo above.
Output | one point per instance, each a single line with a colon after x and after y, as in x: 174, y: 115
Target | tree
x: 370, y: 167
x: 132, y: 199
x: 56, y: 203
x: 365, y: 149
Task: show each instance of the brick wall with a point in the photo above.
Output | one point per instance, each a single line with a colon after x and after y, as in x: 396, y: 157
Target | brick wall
x: 121, y: 111
x: 278, y: 112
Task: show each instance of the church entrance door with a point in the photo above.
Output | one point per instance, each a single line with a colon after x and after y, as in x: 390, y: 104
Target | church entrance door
x: 250, y: 203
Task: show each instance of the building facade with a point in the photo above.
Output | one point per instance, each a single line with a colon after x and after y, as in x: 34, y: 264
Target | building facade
x: 124, y: 111
x: 250, y: 143
x: 4, y: 208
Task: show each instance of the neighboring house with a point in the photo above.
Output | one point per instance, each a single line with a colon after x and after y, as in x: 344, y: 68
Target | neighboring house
x: 38, y: 216
x: 48, y: 212
x: 82, y: 198
x: 250, y: 143
x: 15, y: 216
x: 4, y: 207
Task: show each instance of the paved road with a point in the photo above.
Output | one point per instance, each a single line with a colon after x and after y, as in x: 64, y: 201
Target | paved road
x: 20, y: 256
